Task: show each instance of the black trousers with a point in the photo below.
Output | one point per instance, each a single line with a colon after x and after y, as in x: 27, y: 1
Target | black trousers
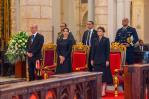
x: 31, y: 68
x: 90, y: 67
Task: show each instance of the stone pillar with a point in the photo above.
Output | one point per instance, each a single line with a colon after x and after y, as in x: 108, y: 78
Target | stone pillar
x: 112, y: 25
x: 127, y: 8
x: 120, y: 12
x: 91, y: 11
x: 101, y: 14
x: 56, y: 12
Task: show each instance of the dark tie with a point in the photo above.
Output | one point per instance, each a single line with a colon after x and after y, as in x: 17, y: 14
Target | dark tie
x: 88, y: 38
x: 141, y: 48
x: 32, y: 38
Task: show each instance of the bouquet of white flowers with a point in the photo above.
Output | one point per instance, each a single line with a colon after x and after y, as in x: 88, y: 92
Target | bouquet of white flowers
x: 17, y: 47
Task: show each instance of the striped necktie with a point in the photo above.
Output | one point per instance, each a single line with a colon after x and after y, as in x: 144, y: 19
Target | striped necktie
x: 88, y: 38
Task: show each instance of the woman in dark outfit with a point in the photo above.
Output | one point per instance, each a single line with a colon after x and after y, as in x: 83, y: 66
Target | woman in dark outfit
x: 100, y: 57
x: 64, y: 48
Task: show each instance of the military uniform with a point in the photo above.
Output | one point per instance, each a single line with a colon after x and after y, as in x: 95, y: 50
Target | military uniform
x: 127, y: 36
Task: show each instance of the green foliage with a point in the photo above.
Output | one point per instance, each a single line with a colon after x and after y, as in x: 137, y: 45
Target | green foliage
x: 17, y: 47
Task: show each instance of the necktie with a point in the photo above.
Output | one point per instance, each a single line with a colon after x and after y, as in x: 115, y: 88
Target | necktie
x: 142, y: 48
x: 88, y: 38
x: 32, y: 38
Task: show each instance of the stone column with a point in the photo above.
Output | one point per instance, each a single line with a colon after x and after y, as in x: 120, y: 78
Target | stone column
x: 127, y: 8
x: 91, y: 10
x: 112, y: 25
x: 56, y: 20
x: 120, y: 12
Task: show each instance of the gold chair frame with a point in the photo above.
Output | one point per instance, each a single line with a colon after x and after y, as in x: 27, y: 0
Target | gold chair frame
x: 49, y: 46
x: 117, y: 47
x: 83, y: 48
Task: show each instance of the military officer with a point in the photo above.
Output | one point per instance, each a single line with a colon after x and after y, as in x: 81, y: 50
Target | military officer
x: 127, y: 36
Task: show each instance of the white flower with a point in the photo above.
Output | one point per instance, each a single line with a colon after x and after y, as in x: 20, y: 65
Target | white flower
x: 20, y: 41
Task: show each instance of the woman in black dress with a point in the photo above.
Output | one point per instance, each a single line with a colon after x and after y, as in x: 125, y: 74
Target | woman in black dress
x: 100, y: 57
x: 64, y: 48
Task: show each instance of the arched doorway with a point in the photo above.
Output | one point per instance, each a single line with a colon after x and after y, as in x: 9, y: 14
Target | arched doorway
x: 84, y: 20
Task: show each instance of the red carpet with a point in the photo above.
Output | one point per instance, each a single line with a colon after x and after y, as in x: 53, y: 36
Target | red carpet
x: 110, y: 95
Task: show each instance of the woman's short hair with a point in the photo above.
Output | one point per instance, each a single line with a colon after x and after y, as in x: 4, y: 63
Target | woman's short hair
x: 66, y: 29
x: 101, y: 28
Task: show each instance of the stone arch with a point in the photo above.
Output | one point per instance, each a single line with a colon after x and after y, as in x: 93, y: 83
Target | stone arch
x: 83, y: 21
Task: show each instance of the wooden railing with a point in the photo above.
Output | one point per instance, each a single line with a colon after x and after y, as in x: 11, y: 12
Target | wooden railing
x: 80, y: 85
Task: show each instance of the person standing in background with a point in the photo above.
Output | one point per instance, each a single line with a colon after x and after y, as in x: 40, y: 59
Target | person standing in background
x: 34, y: 47
x: 87, y: 39
x: 141, y: 47
x: 60, y: 34
x: 127, y: 36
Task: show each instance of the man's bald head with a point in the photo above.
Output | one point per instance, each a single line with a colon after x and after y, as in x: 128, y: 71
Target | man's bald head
x: 125, y: 22
x: 34, y: 28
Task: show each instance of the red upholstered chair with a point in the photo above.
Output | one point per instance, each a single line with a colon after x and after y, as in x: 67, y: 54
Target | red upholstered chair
x: 49, y: 60
x: 117, y: 61
x: 80, y: 57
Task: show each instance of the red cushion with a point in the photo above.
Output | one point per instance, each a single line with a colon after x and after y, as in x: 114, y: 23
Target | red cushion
x: 78, y: 61
x: 49, y: 58
x: 115, y: 61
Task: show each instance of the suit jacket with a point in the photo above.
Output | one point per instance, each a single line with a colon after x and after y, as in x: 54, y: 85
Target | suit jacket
x: 100, y: 50
x: 145, y: 48
x: 35, y: 47
x: 84, y: 38
x: 70, y: 36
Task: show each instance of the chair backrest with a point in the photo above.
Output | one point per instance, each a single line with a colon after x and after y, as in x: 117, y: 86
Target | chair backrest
x: 117, y: 56
x: 80, y: 54
x: 49, y: 54
x: 115, y: 61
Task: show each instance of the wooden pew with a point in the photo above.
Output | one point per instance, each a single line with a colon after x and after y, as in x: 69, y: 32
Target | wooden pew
x: 78, y: 85
x: 136, y: 81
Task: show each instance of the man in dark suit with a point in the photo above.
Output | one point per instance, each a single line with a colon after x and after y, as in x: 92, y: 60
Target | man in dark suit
x: 141, y: 47
x: 34, y: 47
x: 87, y: 39
x: 70, y: 36
x: 127, y: 36
x: 89, y: 34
